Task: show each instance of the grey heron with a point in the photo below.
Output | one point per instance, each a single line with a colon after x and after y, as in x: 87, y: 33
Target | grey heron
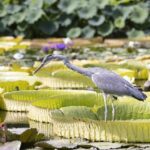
x: 107, y: 81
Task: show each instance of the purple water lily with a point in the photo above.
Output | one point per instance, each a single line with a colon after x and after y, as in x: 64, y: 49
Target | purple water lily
x: 61, y: 46
x: 57, y: 46
x: 45, y: 48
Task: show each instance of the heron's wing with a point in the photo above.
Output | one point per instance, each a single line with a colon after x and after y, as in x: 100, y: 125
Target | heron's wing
x: 110, y: 82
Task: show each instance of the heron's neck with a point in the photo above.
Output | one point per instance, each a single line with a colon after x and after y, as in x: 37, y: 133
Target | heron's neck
x: 77, y: 69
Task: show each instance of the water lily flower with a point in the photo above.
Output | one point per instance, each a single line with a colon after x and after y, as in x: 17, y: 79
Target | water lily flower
x: 61, y: 46
x: 68, y: 41
x: 52, y: 46
x: 133, y: 44
x: 18, y: 56
x: 46, y: 48
x: 58, y: 46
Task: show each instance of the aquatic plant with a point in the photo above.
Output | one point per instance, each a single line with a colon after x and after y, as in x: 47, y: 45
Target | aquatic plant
x: 41, y: 110
x: 84, y: 122
x: 56, y: 18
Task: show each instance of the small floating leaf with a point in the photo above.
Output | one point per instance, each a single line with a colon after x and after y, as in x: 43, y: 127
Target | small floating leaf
x: 105, y: 29
x: 119, y: 22
x: 87, y: 12
x: 139, y: 14
x: 97, y: 20
x: 133, y: 33
x: 74, y: 32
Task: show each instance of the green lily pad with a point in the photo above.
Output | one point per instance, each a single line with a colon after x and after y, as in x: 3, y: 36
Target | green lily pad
x: 87, y: 12
x: 119, y: 22
x: 133, y: 33
x: 88, y: 32
x: 139, y: 14
x: 97, y: 20
x: 74, y: 32
x: 105, y: 29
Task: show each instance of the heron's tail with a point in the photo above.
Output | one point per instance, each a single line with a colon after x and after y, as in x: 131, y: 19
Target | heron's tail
x: 136, y: 93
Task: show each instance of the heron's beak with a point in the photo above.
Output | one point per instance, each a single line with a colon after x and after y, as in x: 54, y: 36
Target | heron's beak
x: 44, y: 62
x: 38, y: 68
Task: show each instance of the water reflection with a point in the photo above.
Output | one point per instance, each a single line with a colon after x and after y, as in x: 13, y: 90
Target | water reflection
x: 45, y: 128
x: 16, y: 119
x: 20, y: 120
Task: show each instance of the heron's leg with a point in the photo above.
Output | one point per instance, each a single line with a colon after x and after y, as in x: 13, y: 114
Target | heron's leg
x: 105, y: 104
x: 113, y: 108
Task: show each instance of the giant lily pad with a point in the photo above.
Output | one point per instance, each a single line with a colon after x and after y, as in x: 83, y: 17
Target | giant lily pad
x: 84, y: 122
x: 40, y: 110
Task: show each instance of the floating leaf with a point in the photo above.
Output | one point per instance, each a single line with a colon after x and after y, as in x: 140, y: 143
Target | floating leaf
x: 139, y: 14
x: 70, y: 122
x: 15, y: 85
x: 68, y: 6
x: 19, y: 17
x: 32, y: 15
x: 97, y: 20
x: 11, y: 9
x: 63, y: 98
x: 47, y: 70
x: 50, y: 2
x: 133, y: 33
x: 3, y: 12
x: 87, y: 12
x: 125, y: 11
x: 102, y: 3
x: 74, y: 32
x: 119, y: 22
x: 76, y: 78
x: 48, y: 27
x: 35, y: 3
x: 65, y: 20
x: 88, y: 32
x: 77, y: 112
x: 105, y: 29
x: 8, y: 20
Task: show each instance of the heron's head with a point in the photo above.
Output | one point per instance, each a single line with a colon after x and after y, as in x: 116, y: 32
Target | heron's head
x: 47, y: 59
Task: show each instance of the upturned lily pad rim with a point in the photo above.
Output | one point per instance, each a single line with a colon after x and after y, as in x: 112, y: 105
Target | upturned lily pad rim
x: 8, y: 95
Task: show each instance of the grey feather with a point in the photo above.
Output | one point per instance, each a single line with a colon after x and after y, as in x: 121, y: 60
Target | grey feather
x: 111, y: 83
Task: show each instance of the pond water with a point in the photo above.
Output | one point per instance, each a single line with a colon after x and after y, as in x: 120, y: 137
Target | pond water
x: 20, y: 120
